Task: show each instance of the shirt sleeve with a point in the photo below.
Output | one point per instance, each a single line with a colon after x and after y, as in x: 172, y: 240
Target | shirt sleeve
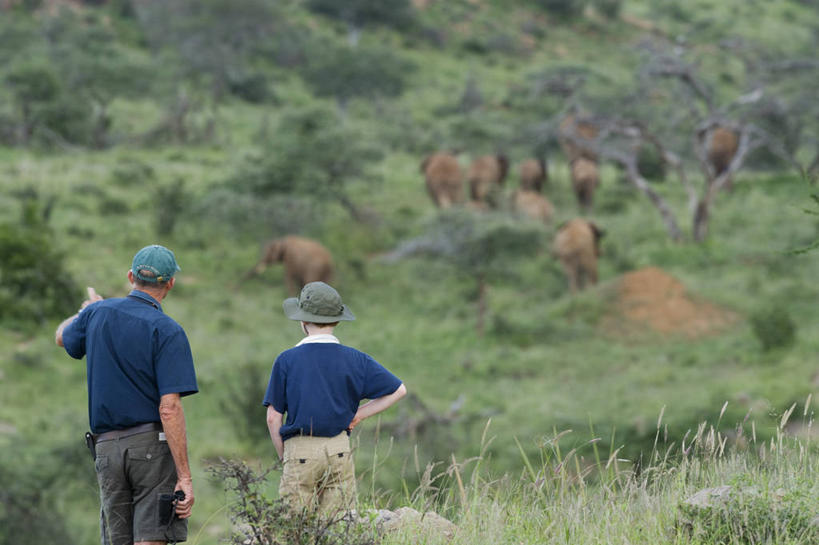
x: 276, y: 394
x: 379, y: 381
x: 175, y: 373
x: 74, y: 335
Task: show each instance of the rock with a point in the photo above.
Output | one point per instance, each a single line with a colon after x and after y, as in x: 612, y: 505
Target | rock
x: 403, y: 518
x: 709, y: 497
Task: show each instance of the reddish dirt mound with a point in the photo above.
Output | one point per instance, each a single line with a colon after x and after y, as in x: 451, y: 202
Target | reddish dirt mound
x: 650, y: 300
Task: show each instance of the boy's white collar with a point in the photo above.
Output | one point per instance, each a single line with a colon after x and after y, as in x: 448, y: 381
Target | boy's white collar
x: 320, y: 338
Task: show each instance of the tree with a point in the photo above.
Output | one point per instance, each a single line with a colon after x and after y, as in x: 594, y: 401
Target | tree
x: 34, y: 285
x: 674, y: 109
x: 482, y: 247
x: 313, y: 154
x: 357, y: 14
x: 212, y: 42
x: 95, y: 67
x: 33, y: 86
x: 345, y: 73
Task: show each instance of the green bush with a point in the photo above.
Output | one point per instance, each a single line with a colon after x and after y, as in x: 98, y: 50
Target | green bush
x: 748, y: 513
x: 358, y: 72
x: 651, y: 164
x: 27, y: 492
x: 260, y: 520
x: 609, y: 8
x: 130, y: 171
x: 773, y: 327
x: 172, y: 199
x: 34, y: 285
x: 564, y: 9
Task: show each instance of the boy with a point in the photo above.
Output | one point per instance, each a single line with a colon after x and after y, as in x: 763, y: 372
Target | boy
x: 319, y: 384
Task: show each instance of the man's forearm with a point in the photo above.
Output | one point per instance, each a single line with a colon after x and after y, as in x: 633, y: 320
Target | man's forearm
x: 173, y: 424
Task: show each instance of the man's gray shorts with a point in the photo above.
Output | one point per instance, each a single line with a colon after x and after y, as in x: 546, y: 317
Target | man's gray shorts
x: 132, y: 473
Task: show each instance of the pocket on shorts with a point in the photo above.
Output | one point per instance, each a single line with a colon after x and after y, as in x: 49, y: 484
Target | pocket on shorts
x: 149, y: 453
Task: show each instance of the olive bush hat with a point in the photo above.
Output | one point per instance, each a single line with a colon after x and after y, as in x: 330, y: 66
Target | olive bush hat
x: 158, y: 260
x: 318, y: 303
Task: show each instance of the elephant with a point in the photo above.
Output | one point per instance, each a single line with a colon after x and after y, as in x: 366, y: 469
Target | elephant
x: 444, y: 179
x: 533, y: 205
x: 533, y: 174
x: 722, y: 144
x: 576, y: 135
x: 486, y: 176
x: 577, y: 246
x: 585, y: 179
x: 305, y: 261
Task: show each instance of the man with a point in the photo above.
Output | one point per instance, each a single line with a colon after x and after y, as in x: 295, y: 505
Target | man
x: 319, y: 384
x: 139, y: 366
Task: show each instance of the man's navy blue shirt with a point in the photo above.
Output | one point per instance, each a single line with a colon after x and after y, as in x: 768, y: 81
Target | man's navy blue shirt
x: 320, y: 385
x: 136, y: 354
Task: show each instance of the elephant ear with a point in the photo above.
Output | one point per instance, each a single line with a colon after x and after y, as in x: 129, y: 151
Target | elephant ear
x: 424, y: 164
x: 543, y: 166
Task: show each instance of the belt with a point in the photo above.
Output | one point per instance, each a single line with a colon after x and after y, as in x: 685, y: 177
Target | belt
x: 127, y: 432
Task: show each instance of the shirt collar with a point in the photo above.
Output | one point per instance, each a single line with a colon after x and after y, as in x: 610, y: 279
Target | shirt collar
x: 322, y: 338
x: 147, y: 298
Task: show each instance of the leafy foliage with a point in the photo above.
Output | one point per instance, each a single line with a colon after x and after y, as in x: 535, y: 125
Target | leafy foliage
x: 172, y: 199
x: 314, y: 154
x: 34, y: 284
x: 565, y: 9
x: 259, y: 520
x: 31, y: 487
x: 212, y: 42
x: 357, y: 72
x: 752, y: 514
x: 773, y: 327
x: 360, y: 13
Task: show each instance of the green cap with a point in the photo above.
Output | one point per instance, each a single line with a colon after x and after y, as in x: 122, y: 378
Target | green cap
x: 318, y: 303
x: 157, y: 259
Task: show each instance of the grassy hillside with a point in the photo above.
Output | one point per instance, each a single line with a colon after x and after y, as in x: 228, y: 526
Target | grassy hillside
x: 549, y: 361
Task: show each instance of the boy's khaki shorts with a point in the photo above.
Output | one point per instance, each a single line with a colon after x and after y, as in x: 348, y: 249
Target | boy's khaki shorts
x: 132, y: 473
x: 319, y: 474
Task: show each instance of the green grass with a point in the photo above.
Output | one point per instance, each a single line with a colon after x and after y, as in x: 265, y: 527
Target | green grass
x: 544, y: 365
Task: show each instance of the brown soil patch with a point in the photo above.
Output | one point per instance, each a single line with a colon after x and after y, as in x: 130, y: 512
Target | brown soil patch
x: 650, y: 300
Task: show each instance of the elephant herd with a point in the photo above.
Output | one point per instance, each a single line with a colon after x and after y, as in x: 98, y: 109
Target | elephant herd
x: 576, y: 244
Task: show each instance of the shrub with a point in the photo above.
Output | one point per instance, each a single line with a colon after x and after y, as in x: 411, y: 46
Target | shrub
x: 132, y: 172
x: 27, y: 490
x: 242, y: 389
x: 172, y: 199
x: 258, y: 520
x: 34, y: 284
x: 359, y: 13
x: 608, y: 8
x: 358, y: 72
x: 748, y: 513
x: 564, y: 9
x: 651, y: 164
x: 773, y: 327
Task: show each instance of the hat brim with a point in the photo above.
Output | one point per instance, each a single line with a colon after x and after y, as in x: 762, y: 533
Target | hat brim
x: 292, y: 311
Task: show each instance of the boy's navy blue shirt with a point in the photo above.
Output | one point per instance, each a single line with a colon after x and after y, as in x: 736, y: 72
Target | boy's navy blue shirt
x: 320, y: 385
x: 135, y: 355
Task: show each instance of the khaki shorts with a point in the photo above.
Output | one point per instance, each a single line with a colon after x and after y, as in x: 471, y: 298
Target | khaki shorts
x: 132, y: 473
x: 319, y: 474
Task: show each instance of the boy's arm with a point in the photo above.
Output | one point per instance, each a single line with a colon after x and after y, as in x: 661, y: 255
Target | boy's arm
x: 375, y: 406
x: 274, y: 423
